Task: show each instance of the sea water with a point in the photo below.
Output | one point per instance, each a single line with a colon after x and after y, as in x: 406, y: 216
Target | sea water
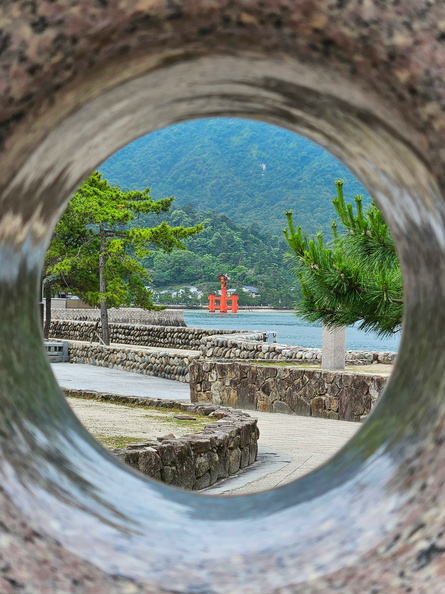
x: 291, y: 329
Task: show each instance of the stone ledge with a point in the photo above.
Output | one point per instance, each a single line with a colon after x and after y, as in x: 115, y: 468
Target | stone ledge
x: 212, y: 344
x: 252, y: 346
x: 178, y: 337
x: 308, y: 392
x: 159, y: 363
x: 195, y: 460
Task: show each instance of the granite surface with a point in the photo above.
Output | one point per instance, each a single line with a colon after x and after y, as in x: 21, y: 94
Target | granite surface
x: 81, y: 78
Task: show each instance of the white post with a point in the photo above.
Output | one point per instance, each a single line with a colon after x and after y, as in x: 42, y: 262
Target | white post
x: 333, y: 346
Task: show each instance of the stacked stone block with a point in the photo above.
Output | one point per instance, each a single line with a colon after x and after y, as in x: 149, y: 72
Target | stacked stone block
x: 135, y: 334
x: 210, y: 348
x: 212, y: 344
x: 307, y: 392
x: 160, y: 363
x: 196, y: 460
x: 251, y: 346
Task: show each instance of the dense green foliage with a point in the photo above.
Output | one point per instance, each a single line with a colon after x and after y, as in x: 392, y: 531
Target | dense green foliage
x: 246, y: 254
x: 97, y: 245
x: 70, y: 238
x: 217, y: 164
x: 354, y: 278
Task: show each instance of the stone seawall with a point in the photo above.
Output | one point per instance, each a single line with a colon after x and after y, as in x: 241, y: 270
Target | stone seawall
x: 123, y: 315
x: 211, y: 343
x: 133, y: 334
x: 251, y: 346
x: 146, y: 351
x: 285, y: 389
x: 196, y: 460
x: 161, y: 363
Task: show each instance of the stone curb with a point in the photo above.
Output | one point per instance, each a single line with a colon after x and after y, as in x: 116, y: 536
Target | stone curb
x: 196, y: 460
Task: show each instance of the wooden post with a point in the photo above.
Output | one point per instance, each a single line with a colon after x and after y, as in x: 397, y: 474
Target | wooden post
x: 234, y: 300
x: 103, y: 289
x: 223, y: 302
x: 212, y: 302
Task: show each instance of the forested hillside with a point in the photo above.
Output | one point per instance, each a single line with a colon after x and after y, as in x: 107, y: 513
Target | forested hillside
x: 246, y: 254
x: 250, y: 171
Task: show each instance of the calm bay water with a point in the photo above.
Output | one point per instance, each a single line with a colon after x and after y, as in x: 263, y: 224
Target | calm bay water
x: 291, y: 330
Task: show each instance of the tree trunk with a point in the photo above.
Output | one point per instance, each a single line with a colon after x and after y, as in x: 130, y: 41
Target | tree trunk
x: 41, y: 312
x: 103, y: 289
x: 47, y: 293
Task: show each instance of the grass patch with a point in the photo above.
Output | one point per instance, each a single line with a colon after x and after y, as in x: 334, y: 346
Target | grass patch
x: 117, y: 424
x: 117, y: 441
x: 277, y: 363
x: 373, y: 369
x: 194, y: 426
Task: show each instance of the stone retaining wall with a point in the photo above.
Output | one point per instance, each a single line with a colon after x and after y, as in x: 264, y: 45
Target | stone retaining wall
x: 212, y: 344
x: 208, y: 346
x: 143, y: 335
x: 285, y: 389
x: 123, y: 315
x: 251, y: 346
x: 196, y: 460
x: 160, y: 363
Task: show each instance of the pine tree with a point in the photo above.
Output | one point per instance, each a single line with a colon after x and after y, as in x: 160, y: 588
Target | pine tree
x: 355, y: 277
x: 97, y: 253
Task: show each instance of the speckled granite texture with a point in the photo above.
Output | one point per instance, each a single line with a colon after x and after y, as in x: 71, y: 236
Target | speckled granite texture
x: 81, y: 78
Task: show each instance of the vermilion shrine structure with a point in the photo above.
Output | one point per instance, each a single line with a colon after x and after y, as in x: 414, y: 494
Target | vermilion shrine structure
x: 222, y: 303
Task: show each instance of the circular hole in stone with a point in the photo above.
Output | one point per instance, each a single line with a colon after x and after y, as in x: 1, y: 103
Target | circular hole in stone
x: 96, y: 516
x: 238, y: 178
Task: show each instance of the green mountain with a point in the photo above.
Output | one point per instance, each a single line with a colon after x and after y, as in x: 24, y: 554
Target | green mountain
x: 250, y: 171
x: 249, y: 256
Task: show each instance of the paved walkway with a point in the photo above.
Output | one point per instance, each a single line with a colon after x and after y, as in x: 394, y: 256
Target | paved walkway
x: 289, y: 445
x: 102, y: 379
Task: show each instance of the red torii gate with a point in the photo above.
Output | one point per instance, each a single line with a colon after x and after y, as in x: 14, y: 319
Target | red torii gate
x: 223, y: 305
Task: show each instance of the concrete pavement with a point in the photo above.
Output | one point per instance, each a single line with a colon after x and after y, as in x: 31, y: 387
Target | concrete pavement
x: 102, y: 379
x: 289, y: 445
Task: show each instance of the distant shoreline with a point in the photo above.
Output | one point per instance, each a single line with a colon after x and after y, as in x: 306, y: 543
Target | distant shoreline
x: 244, y: 310
x: 240, y: 310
